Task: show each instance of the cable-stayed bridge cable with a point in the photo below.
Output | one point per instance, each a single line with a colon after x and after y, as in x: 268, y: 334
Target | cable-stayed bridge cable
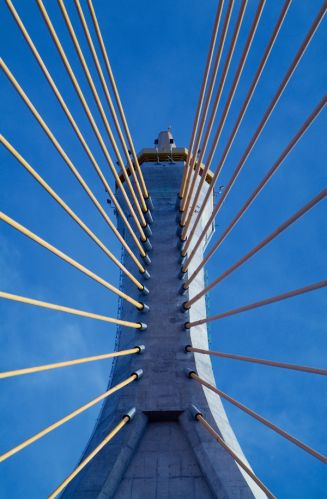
x: 68, y: 363
x: 257, y: 304
x: 229, y: 57
x: 308, y: 122
x: 68, y: 210
x: 199, y: 417
x: 285, y: 225
x: 89, y: 458
x: 254, y: 360
x: 262, y: 420
x: 69, y: 310
x: 201, y: 97
x: 71, y: 120
x: 69, y: 416
x: 117, y: 97
x: 206, y: 106
x: 190, y: 208
x: 109, y: 101
x: 71, y: 166
x: 23, y: 230
x: 299, y: 54
x: 89, y: 114
x: 100, y: 107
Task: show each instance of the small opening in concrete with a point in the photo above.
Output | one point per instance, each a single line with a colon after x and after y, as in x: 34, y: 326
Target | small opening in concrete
x: 162, y: 415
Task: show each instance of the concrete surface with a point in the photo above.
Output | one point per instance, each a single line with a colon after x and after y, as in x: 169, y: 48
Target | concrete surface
x: 163, y: 452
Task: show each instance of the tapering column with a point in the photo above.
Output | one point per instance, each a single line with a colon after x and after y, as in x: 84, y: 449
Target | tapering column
x: 164, y: 453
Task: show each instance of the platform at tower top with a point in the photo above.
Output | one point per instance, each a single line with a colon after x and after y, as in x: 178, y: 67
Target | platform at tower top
x: 166, y: 151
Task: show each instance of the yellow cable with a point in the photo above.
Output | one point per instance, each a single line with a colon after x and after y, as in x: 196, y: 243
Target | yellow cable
x: 63, y: 420
x: 70, y: 164
x: 68, y: 259
x: 108, y: 97
x: 88, y: 113
x: 72, y: 122
x: 82, y: 465
x: 114, y: 87
x: 74, y: 311
x: 99, y: 105
x: 56, y: 365
x: 62, y: 203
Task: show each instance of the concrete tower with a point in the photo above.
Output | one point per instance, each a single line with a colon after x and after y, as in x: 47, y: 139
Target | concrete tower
x: 163, y: 453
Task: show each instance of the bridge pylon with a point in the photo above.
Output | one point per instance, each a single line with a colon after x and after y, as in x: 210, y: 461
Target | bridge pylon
x: 164, y: 452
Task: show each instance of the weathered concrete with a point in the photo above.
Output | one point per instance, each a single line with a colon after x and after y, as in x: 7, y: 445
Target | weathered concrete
x: 163, y: 452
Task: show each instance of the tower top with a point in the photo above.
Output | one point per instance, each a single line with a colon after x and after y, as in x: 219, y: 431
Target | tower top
x: 165, y: 141
x: 165, y: 150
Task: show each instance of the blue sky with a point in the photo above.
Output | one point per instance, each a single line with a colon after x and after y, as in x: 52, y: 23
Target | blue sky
x: 158, y: 51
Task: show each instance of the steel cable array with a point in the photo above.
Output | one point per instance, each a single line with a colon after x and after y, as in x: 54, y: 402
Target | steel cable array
x: 207, y: 130
x: 196, y: 220
x: 140, y: 217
